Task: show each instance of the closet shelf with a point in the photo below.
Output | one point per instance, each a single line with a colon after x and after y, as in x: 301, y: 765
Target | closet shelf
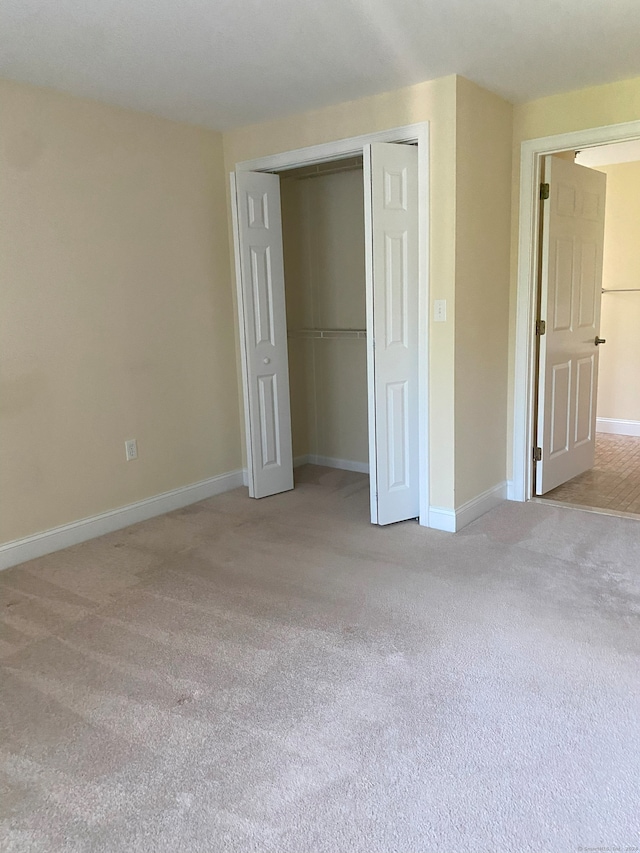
x: 327, y: 333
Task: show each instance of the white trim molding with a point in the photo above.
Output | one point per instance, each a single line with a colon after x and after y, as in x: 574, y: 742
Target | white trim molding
x: 618, y: 426
x: 531, y: 154
x: 452, y: 520
x: 338, y: 149
x: 442, y: 519
x: 57, y: 538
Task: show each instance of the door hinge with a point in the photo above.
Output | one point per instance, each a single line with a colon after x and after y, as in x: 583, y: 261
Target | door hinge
x: 541, y: 327
x: 544, y: 191
x: 537, y: 454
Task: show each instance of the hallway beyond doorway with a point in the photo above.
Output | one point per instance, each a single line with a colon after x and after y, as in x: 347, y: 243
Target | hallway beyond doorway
x: 613, y: 484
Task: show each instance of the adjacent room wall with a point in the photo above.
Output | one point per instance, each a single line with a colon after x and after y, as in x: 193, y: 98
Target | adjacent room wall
x: 596, y: 106
x: 619, y: 375
x: 323, y: 236
x: 116, y: 315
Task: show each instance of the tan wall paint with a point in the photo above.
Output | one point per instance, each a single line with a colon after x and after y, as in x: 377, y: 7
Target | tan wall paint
x: 116, y: 306
x: 483, y: 187
x: 340, y: 373
x: 619, y: 375
x: 433, y: 101
x: 323, y: 237
x: 597, y: 106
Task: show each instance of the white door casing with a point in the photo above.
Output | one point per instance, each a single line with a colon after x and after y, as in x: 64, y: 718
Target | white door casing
x: 571, y: 287
x: 264, y: 327
x: 391, y: 230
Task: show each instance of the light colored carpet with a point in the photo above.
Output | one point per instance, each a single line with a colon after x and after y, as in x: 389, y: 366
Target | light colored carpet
x: 278, y: 675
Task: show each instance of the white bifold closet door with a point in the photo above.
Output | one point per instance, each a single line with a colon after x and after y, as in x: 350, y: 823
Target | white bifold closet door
x: 264, y: 327
x: 391, y: 229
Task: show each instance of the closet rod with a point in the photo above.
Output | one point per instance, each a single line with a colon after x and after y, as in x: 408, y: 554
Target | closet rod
x: 327, y: 333
x: 621, y: 290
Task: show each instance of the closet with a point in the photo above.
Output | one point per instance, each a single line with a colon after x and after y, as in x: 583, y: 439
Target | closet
x: 323, y: 252
x: 324, y: 270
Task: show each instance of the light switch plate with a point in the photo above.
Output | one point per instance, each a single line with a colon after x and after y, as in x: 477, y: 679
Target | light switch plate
x: 439, y: 310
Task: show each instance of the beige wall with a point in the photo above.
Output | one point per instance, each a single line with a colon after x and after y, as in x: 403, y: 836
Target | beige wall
x: 115, y: 309
x: 323, y: 237
x: 433, y: 101
x: 483, y: 187
x: 619, y: 375
x: 597, y: 106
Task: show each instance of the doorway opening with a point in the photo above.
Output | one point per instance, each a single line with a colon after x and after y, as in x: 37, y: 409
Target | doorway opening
x: 610, y: 481
x: 325, y: 294
x: 305, y: 243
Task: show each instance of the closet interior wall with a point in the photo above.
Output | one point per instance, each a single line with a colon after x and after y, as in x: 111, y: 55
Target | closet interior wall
x: 323, y: 242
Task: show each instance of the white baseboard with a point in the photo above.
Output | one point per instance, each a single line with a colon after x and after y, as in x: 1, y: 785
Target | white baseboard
x: 331, y: 462
x: 343, y: 464
x: 476, y: 507
x: 618, y: 426
x: 21, y: 550
x: 442, y: 519
x: 452, y: 520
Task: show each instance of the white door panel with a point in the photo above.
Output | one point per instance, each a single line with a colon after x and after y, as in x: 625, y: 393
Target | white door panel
x: 265, y: 333
x: 391, y: 209
x: 571, y: 285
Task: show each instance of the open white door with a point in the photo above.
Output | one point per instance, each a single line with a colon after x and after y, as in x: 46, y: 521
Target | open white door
x: 391, y: 229
x: 264, y: 344
x: 571, y: 288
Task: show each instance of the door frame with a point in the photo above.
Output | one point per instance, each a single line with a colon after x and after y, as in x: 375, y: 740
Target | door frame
x: 417, y: 134
x: 532, y: 152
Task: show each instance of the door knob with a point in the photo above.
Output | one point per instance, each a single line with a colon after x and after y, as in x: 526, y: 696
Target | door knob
x: 599, y: 341
x: 268, y: 360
